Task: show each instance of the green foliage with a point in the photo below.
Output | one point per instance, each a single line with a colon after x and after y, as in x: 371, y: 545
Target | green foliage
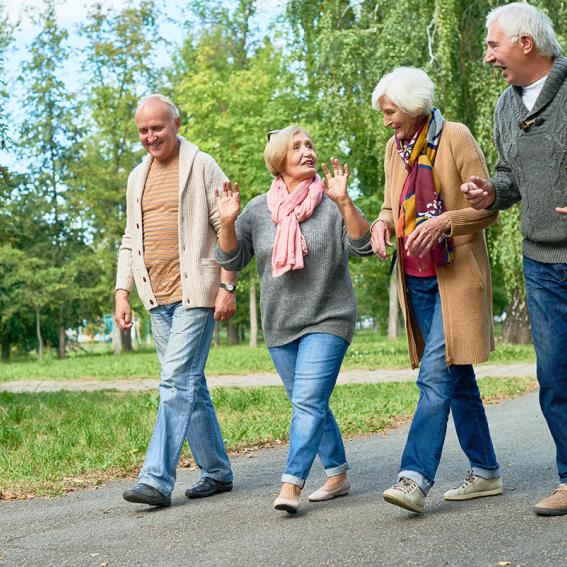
x: 5, y: 41
x: 369, y: 350
x: 54, y: 442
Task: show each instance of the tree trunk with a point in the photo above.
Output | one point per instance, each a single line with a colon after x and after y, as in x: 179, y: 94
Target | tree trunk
x: 6, y: 347
x: 126, y: 340
x: 393, y: 310
x: 62, y: 341
x: 38, y: 332
x: 217, y: 333
x: 253, y: 314
x: 232, y: 334
x: 516, y: 328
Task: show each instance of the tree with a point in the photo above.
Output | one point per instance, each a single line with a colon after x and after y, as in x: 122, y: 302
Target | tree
x: 5, y: 41
x: 118, y: 60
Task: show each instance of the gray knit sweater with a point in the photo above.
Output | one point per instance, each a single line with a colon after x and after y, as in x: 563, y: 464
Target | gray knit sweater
x: 532, y: 165
x: 316, y: 299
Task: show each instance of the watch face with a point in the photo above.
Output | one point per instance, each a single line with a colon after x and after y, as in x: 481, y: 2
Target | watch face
x: 229, y: 286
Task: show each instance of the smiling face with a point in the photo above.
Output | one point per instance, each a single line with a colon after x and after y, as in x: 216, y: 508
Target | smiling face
x: 403, y: 124
x: 502, y: 53
x: 157, y: 129
x: 301, y: 160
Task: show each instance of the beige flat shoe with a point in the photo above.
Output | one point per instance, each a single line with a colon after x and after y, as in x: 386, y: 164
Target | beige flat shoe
x: 321, y: 495
x: 289, y: 505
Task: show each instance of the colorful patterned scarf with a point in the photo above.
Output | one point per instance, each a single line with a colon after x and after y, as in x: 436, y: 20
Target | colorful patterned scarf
x: 288, y: 210
x: 423, y: 200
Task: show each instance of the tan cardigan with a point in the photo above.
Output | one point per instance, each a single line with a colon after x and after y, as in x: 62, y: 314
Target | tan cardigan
x: 465, y: 285
x: 199, y: 226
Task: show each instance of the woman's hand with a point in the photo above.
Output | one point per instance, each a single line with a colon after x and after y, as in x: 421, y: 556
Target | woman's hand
x: 426, y: 234
x: 228, y: 202
x: 336, y: 185
x: 380, y: 238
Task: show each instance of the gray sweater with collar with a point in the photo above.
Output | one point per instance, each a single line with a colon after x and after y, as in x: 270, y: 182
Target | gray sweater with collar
x: 316, y: 299
x: 532, y: 164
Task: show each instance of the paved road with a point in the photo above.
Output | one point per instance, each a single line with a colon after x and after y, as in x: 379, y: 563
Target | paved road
x: 345, y: 377
x: 97, y: 528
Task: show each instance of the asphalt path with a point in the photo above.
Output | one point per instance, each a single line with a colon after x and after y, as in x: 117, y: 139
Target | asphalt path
x: 97, y: 528
x: 258, y: 380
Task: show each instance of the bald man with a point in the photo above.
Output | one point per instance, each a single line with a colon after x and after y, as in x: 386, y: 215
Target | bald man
x: 167, y: 251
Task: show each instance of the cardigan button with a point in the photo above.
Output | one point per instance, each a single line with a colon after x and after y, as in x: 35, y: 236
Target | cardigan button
x: 144, y: 278
x: 151, y: 301
x: 137, y: 225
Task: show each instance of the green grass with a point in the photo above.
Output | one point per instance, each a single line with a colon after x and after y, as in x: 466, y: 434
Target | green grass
x: 368, y: 351
x: 53, y: 442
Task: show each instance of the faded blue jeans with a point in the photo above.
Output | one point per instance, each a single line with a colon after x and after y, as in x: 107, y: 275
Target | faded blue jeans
x: 546, y: 294
x: 183, y: 339
x: 442, y: 389
x: 309, y: 367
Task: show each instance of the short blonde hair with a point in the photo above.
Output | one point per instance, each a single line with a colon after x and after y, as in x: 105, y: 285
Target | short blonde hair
x: 279, y: 141
x: 409, y: 88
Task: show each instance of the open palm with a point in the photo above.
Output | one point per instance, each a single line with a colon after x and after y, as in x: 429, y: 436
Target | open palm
x: 336, y: 183
x: 228, y: 201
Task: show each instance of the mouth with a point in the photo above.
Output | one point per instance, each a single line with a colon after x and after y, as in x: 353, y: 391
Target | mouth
x: 308, y: 163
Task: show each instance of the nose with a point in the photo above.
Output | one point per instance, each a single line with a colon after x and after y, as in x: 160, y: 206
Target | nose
x: 488, y: 56
x: 386, y: 121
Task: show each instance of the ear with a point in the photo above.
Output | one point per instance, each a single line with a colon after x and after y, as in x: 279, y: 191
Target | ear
x: 177, y: 123
x: 527, y: 44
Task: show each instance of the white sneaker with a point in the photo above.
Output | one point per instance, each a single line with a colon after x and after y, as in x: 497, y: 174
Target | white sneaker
x: 406, y: 494
x: 475, y: 487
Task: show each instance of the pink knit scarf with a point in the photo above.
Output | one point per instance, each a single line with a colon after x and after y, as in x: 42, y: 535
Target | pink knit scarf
x: 288, y: 210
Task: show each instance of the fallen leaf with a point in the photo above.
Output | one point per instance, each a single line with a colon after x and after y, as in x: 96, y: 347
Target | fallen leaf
x: 504, y: 563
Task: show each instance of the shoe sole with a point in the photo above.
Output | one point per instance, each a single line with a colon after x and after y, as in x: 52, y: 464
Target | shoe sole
x: 209, y: 493
x: 495, y: 492
x: 140, y: 500
x: 286, y: 508
x: 402, y: 504
x: 550, y: 511
x: 328, y: 498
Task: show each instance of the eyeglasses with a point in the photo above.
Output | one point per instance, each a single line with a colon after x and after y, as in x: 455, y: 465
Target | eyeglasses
x: 271, y: 133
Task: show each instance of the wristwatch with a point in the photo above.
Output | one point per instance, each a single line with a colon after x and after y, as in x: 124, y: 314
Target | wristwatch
x: 230, y: 287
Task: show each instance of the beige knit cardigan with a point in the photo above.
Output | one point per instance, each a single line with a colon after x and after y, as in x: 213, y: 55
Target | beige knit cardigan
x: 199, y: 226
x: 465, y: 285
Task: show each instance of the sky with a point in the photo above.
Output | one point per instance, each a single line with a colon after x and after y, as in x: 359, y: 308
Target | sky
x: 71, y: 13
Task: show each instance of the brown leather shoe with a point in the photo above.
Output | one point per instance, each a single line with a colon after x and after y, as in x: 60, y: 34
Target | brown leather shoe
x: 554, y: 505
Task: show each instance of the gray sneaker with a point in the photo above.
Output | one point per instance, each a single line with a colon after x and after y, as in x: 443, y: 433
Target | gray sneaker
x: 475, y: 487
x: 407, y: 495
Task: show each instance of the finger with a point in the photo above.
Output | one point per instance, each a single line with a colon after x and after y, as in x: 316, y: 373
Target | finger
x: 236, y: 190
x: 347, y: 172
x: 561, y: 210
x: 326, y: 171
x: 335, y: 164
x: 217, y: 315
x: 216, y: 193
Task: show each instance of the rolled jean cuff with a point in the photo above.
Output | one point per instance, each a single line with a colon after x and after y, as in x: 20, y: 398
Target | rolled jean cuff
x: 337, y: 470
x: 293, y: 480
x: 486, y: 473
x: 424, y: 484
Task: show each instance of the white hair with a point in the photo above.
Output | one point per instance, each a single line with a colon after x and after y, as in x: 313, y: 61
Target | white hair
x: 173, y: 111
x: 409, y: 88
x: 520, y: 19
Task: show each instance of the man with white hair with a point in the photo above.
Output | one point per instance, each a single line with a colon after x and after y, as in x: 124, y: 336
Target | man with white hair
x: 167, y: 250
x: 530, y: 131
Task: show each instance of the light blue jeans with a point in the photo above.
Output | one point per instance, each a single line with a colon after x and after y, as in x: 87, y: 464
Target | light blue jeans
x: 309, y: 367
x: 183, y: 339
x: 442, y: 389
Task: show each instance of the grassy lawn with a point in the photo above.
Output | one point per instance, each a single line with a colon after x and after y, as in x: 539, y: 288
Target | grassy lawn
x: 368, y: 351
x: 54, y: 442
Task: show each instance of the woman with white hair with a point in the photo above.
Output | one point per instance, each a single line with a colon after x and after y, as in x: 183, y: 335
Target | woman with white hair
x: 444, y: 283
x: 301, y: 232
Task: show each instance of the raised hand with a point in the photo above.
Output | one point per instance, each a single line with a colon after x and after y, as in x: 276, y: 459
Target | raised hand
x: 228, y: 202
x: 380, y: 238
x: 479, y: 193
x: 336, y: 184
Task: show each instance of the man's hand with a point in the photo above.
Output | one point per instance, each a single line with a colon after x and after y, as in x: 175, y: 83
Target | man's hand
x: 380, y: 238
x: 225, y: 305
x: 426, y: 234
x: 561, y: 210
x: 479, y: 193
x: 122, y: 310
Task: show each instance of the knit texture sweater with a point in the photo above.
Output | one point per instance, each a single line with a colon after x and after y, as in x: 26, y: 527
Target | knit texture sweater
x: 532, y: 165
x: 316, y: 299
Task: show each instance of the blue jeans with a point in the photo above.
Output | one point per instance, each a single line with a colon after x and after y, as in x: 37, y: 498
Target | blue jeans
x: 442, y: 389
x: 183, y: 339
x: 546, y: 294
x: 309, y: 367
